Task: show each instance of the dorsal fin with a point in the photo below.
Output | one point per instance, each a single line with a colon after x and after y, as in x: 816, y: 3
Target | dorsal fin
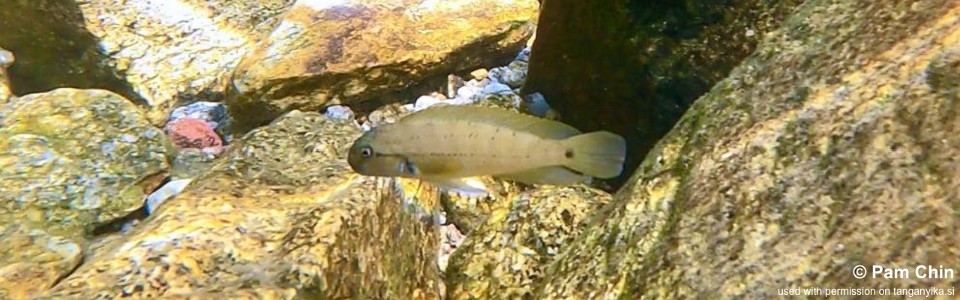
x: 494, y: 116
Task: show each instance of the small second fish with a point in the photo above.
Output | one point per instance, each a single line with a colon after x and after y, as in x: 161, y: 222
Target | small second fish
x: 444, y: 144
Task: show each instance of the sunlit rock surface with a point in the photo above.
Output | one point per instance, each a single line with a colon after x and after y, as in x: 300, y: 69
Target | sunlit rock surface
x: 340, y: 52
x: 507, y: 256
x: 178, y: 50
x: 280, y: 215
x: 834, y: 145
x: 70, y: 160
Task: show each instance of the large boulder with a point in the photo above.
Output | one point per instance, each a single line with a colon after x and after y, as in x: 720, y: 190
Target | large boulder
x: 54, y: 49
x: 157, y: 53
x: 507, y: 256
x: 633, y: 67
x: 834, y: 145
x: 280, y: 215
x: 176, y: 51
x: 344, y: 52
x: 70, y: 161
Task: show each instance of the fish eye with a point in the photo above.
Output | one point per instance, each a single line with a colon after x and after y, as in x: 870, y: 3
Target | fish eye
x: 366, y: 152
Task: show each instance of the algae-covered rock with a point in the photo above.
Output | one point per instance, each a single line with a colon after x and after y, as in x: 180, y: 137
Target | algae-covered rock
x: 834, y: 145
x: 176, y: 51
x: 280, y: 215
x: 70, y: 160
x: 506, y: 257
x: 323, y: 53
x: 632, y: 67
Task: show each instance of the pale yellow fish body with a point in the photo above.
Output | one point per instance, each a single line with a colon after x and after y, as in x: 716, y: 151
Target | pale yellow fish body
x: 451, y: 142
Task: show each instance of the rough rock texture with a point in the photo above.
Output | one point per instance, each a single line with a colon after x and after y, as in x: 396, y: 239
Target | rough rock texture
x: 633, y: 67
x: 174, y: 51
x: 193, y: 133
x: 282, y: 216
x: 506, y: 257
x: 326, y: 53
x: 834, y: 145
x: 54, y: 50
x: 70, y: 160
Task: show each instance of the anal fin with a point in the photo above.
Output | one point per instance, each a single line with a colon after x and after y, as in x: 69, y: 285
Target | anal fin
x: 466, y: 186
x: 557, y: 175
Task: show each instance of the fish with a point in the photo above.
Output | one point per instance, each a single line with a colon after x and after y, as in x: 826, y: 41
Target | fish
x: 448, y: 144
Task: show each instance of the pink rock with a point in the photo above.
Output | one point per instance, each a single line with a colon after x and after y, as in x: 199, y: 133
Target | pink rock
x: 194, y: 133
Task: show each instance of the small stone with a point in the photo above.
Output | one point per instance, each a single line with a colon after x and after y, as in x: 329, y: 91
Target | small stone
x: 6, y: 58
x: 468, y: 92
x: 454, y: 83
x: 425, y: 101
x: 165, y: 192
x: 479, y: 74
x: 194, y: 133
x: 536, y: 105
x: 214, y: 113
x: 496, y: 88
x: 339, y: 112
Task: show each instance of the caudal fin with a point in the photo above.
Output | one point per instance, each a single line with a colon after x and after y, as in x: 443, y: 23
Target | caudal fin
x: 598, y: 154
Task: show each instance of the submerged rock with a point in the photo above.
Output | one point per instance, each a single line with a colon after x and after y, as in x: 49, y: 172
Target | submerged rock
x: 508, y: 254
x: 6, y: 59
x: 175, y: 51
x: 193, y: 133
x: 71, y: 160
x: 214, y: 113
x: 834, y: 145
x: 55, y: 49
x: 633, y: 67
x: 326, y: 53
x: 281, y: 215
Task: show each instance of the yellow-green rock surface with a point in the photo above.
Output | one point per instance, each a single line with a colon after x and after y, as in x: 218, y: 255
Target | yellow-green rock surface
x: 345, y: 52
x: 280, y: 216
x: 506, y: 257
x: 174, y: 51
x: 70, y: 160
x: 834, y: 145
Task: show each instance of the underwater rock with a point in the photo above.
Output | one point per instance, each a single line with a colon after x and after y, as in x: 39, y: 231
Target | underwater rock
x: 33, y: 259
x: 6, y: 60
x: 214, y: 113
x: 71, y: 160
x: 496, y: 88
x: 326, y: 53
x: 280, y: 214
x: 193, y: 133
x: 55, y: 50
x: 632, y: 67
x: 512, y: 75
x: 508, y: 254
x: 191, y: 163
x: 386, y: 114
x: 479, y: 74
x: 339, y: 112
x: 834, y: 145
x: 177, y: 51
